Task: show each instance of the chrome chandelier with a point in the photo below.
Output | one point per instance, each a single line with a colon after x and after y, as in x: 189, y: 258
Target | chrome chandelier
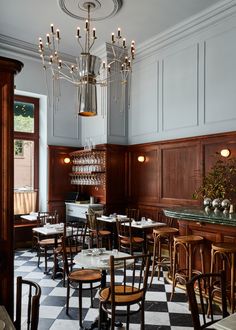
x: 88, y: 70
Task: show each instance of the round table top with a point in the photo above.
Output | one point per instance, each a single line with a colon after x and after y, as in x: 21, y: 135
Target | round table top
x: 89, y: 259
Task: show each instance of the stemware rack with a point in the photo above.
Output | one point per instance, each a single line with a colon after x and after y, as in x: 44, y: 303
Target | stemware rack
x: 89, y: 167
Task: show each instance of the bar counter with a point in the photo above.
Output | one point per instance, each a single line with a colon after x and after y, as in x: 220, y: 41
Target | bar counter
x: 212, y: 226
x: 200, y: 215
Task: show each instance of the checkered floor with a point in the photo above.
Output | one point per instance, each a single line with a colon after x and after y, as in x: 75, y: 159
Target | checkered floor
x: 160, y: 313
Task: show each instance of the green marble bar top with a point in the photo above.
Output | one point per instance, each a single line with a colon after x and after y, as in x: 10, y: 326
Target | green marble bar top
x: 200, y: 215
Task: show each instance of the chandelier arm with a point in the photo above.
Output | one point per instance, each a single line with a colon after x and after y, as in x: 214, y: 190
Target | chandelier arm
x: 80, y: 45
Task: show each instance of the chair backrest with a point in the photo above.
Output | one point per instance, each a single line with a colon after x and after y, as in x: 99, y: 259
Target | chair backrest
x: 202, y: 291
x: 30, y: 293
x: 134, y: 280
x: 132, y: 213
x: 71, y: 245
x: 124, y: 234
x: 47, y: 217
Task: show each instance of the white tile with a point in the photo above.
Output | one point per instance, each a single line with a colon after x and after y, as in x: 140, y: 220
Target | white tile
x: 178, y: 307
x: 26, y: 269
x: 92, y: 314
x: 49, y: 312
x: 36, y: 275
x: 19, y: 262
x: 65, y: 324
x: 155, y: 296
x: 61, y: 292
x: 48, y: 282
x: 181, y: 328
x: 74, y: 302
x: 154, y: 318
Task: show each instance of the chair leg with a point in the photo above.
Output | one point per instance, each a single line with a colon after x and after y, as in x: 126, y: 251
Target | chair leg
x: 67, y: 296
x: 91, y: 294
x: 38, y: 253
x: 46, y: 261
x: 127, y: 318
x: 142, y: 317
x: 80, y: 305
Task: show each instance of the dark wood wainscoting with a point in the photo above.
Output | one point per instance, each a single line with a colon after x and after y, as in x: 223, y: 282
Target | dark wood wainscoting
x: 58, y: 179
x: 172, y: 171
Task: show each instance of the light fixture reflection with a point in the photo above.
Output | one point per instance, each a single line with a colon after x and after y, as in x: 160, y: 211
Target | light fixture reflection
x: 225, y: 153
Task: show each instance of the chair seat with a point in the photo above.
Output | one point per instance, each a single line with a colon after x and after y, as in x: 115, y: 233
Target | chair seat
x: 135, y: 239
x: 85, y: 275
x: 104, y: 232
x: 47, y: 241
x: 129, y: 297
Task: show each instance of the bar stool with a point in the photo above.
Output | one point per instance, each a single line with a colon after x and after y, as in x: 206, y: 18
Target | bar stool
x: 227, y: 251
x: 163, y: 240
x: 189, y: 244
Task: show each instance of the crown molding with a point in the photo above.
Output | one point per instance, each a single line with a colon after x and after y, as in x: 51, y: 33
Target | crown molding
x: 180, y: 31
x: 187, y: 27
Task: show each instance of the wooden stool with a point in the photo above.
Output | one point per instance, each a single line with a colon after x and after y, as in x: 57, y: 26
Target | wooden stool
x: 188, y: 244
x: 227, y: 251
x: 163, y: 240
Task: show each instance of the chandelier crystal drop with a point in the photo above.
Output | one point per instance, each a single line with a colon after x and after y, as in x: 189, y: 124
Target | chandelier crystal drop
x: 88, y: 70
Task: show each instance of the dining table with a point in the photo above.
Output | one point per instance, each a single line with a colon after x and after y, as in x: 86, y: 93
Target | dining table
x: 144, y: 225
x: 52, y: 230
x: 227, y: 323
x: 100, y: 259
x: 5, y: 320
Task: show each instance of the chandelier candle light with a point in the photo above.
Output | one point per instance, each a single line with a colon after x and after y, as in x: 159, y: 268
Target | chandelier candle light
x: 88, y: 70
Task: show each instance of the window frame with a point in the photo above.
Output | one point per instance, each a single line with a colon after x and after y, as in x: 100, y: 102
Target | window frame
x: 31, y: 137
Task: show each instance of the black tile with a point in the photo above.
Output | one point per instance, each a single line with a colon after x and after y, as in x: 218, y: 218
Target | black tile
x: 155, y: 306
x: 180, y: 320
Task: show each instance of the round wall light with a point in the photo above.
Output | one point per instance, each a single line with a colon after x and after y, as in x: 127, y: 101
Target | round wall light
x: 225, y: 153
x: 66, y: 160
x: 141, y: 159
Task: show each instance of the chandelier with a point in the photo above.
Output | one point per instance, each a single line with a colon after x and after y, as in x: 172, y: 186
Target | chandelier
x: 88, y: 70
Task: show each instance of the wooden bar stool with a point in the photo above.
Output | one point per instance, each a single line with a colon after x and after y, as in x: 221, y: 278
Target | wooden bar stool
x: 189, y: 244
x: 227, y: 252
x: 163, y: 242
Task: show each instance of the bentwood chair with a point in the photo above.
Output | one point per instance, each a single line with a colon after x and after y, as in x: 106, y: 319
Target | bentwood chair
x: 98, y: 234
x: 127, y: 242
x: 28, y: 295
x: 125, y: 291
x: 201, y: 294
x: 45, y: 244
x: 132, y: 213
x: 73, y: 228
x: 78, y: 277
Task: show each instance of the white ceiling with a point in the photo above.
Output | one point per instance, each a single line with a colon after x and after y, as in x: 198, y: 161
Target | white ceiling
x: 140, y: 20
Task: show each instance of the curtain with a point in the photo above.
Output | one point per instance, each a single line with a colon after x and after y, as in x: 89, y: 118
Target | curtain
x: 24, y: 202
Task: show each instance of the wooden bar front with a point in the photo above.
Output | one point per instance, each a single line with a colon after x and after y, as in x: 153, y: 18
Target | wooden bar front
x: 213, y: 228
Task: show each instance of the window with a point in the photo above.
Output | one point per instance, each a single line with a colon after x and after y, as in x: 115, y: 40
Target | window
x: 26, y: 154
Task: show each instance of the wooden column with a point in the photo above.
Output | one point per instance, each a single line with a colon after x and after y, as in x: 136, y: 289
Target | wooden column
x: 8, y: 68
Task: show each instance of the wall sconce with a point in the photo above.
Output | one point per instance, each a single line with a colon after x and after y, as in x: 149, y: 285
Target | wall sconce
x: 66, y: 160
x: 141, y: 159
x: 225, y: 153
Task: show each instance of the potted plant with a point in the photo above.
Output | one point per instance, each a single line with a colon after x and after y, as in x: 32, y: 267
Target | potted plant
x: 219, y: 182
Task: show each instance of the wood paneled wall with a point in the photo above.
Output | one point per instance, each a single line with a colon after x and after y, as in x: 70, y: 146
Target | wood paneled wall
x: 59, y: 179
x: 172, y: 170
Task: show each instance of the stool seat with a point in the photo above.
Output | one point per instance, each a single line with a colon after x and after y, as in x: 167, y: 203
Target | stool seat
x: 188, y: 239
x: 226, y: 251
x: 224, y: 247
x: 163, y: 243
x: 188, y: 243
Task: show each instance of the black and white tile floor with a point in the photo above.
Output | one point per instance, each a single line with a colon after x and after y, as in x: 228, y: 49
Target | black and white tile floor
x: 160, y: 313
